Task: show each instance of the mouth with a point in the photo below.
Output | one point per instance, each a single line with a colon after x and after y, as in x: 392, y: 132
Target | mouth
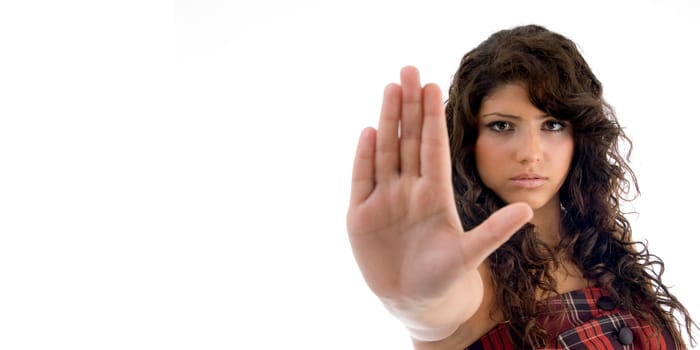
x: 528, y: 180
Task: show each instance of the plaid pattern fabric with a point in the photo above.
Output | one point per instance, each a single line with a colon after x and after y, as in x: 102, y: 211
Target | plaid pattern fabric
x: 584, y: 319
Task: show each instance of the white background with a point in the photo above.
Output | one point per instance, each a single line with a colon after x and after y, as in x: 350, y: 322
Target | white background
x: 176, y: 175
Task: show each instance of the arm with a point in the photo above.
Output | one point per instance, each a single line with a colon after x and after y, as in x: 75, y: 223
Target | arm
x: 402, y: 221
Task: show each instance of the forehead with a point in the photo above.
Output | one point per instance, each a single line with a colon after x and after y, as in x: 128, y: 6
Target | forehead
x: 510, y: 89
x: 511, y: 98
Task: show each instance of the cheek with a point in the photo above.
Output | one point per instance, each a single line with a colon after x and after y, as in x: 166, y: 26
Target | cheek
x: 486, y: 154
x: 566, y: 153
x: 490, y: 149
x: 481, y: 150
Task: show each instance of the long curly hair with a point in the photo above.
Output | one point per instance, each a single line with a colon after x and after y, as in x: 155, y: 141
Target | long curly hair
x: 597, y: 237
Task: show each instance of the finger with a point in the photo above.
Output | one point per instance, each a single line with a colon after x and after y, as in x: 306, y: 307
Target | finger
x: 363, y: 168
x: 435, y: 148
x: 411, y: 120
x: 387, y: 154
x: 484, y: 239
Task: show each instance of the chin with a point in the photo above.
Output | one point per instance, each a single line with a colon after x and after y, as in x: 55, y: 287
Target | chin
x: 536, y: 199
x: 535, y: 204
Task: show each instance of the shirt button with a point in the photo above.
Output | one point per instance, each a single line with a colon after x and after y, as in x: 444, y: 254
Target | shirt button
x: 606, y: 303
x: 625, y: 336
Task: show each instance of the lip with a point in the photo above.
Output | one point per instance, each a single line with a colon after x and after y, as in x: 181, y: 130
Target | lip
x: 528, y: 180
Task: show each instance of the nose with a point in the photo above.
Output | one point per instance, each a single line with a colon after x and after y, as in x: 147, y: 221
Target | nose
x: 529, y: 147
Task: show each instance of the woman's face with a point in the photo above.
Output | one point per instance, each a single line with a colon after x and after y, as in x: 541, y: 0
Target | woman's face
x: 522, y: 154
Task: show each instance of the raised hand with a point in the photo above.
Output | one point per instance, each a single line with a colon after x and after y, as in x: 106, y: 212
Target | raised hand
x: 403, y: 223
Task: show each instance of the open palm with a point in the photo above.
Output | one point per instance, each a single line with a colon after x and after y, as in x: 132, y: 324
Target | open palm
x: 402, y: 221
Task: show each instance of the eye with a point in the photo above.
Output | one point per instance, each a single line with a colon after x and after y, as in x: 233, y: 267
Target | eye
x: 554, y: 125
x: 499, y: 126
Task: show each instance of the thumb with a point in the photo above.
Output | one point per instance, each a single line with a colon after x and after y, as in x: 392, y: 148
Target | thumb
x: 481, y: 241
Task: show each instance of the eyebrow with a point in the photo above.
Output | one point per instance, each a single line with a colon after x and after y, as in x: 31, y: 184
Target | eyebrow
x: 510, y: 116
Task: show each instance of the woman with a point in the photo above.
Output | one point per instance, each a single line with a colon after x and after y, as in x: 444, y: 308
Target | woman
x: 525, y: 158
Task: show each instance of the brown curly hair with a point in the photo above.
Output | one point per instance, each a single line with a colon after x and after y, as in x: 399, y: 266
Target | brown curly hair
x: 597, y: 236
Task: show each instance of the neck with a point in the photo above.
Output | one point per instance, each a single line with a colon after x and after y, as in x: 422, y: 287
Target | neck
x: 547, y: 221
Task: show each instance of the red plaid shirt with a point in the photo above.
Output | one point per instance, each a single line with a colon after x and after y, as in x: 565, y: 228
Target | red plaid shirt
x: 590, y: 320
